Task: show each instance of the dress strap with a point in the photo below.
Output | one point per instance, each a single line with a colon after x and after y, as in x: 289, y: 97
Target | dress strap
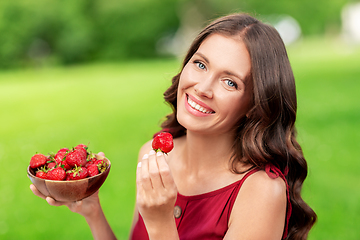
x: 274, y: 172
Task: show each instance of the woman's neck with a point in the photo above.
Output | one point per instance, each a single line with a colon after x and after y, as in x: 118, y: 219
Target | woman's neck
x: 201, y: 163
x: 206, y: 153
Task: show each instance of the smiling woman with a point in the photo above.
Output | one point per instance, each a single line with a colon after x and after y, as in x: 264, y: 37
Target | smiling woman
x: 236, y: 169
x: 263, y: 135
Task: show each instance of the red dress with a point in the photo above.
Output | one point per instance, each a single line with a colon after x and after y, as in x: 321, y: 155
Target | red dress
x: 206, y: 216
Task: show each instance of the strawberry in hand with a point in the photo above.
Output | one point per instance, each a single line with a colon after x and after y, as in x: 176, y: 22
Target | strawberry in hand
x: 163, y: 142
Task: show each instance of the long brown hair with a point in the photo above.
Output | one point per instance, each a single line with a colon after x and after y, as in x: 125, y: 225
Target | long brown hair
x: 267, y: 134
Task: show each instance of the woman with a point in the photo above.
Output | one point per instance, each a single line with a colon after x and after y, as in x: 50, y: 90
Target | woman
x: 236, y: 170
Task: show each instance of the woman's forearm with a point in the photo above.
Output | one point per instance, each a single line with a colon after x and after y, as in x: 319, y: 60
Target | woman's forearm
x: 99, y: 226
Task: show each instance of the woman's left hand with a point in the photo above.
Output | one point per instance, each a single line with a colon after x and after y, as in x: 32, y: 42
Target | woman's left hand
x: 156, y: 191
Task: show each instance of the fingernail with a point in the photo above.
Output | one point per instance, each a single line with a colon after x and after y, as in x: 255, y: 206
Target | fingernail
x: 152, y: 152
x: 145, y: 156
x: 139, y: 164
x: 159, y: 154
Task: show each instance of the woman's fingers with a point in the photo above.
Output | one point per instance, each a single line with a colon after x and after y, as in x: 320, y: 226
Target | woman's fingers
x: 165, y: 173
x: 144, y: 176
x: 53, y: 202
x: 100, y: 155
x: 36, y: 191
x: 154, y: 171
x: 50, y: 200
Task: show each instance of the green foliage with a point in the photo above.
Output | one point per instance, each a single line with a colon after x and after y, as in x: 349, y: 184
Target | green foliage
x: 314, y: 17
x: 41, y: 32
x: 66, y: 31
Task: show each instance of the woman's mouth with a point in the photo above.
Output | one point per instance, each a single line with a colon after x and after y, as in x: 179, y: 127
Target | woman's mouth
x: 198, y: 107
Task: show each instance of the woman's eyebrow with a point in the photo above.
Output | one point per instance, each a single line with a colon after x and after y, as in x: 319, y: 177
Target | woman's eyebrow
x: 202, y: 56
x: 235, y: 75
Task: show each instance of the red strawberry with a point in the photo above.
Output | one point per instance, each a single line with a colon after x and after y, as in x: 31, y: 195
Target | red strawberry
x: 101, y: 164
x: 51, y: 164
x: 93, y: 170
x: 89, y: 162
x: 77, y: 157
x: 60, y: 155
x: 56, y: 174
x: 81, y: 146
x: 77, y: 173
x: 64, y: 165
x: 41, y: 173
x: 163, y: 142
x: 38, y: 160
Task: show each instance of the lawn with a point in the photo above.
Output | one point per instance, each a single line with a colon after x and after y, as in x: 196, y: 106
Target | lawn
x: 116, y: 107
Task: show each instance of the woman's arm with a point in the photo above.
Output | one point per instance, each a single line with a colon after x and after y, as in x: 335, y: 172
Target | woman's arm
x: 90, y: 208
x: 259, y: 210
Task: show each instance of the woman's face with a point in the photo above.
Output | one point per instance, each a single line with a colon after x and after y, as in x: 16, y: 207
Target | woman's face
x: 212, y: 94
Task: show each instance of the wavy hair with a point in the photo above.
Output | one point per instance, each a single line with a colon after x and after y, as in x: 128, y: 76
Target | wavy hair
x: 267, y: 133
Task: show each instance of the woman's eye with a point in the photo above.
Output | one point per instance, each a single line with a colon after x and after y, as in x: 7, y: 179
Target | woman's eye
x: 230, y: 83
x: 200, y: 65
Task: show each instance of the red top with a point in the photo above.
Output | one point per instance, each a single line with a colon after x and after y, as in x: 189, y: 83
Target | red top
x: 206, y: 216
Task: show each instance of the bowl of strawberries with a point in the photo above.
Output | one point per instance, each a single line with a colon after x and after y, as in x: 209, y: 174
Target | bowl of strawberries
x: 70, y: 174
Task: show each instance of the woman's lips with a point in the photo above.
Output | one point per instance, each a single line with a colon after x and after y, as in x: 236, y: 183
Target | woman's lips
x: 197, y: 107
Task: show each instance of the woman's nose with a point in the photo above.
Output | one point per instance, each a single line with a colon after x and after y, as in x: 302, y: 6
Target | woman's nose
x: 204, y: 88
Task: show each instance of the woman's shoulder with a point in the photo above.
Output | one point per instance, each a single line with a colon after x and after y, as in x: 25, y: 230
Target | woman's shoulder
x: 260, y: 206
x: 260, y: 184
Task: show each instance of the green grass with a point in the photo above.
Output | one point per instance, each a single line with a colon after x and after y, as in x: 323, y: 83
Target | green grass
x: 328, y: 83
x: 117, y: 107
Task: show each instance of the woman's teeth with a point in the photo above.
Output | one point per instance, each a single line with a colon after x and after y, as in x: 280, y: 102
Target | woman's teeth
x: 198, y: 107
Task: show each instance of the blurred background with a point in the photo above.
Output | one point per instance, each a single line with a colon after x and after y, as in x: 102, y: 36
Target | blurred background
x: 91, y: 71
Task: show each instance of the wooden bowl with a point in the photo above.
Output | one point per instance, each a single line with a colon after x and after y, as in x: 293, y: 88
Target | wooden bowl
x: 73, y: 190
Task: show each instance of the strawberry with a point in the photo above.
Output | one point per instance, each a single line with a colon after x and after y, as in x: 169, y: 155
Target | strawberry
x: 77, y: 157
x: 41, y: 173
x: 90, y: 161
x: 101, y: 164
x: 163, y: 142
x: 64, y: 165
x: 77, y: 173
x: 93, y: 170
x: 38, y: 160
x: 51, y: 164
x: 60, y: 155
x: 60, y: 158
x: 57, y: 173
x: 81, y: 146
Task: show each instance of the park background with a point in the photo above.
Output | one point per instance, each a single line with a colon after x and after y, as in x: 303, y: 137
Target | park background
x: 91, y: 71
